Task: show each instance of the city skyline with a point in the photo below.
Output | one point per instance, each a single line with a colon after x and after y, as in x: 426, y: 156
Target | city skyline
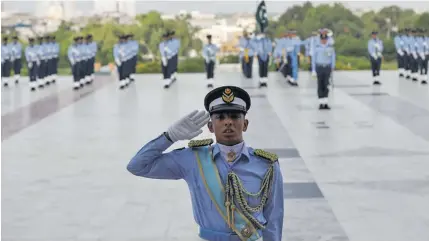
x: 219, y: 7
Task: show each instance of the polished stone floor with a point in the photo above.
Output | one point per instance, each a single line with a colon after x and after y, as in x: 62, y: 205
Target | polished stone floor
x: 358, y: 172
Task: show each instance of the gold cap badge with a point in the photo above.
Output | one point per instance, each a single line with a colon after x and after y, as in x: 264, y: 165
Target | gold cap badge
x: 228, y: 95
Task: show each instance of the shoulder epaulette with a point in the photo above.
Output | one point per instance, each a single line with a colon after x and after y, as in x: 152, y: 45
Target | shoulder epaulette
x: 267, y: 155
x: 197, y: 143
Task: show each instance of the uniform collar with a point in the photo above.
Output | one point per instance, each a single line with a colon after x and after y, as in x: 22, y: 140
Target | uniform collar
x: 218, y: 148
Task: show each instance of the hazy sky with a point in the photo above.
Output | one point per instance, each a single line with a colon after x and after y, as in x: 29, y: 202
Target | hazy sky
x: 216, y: 6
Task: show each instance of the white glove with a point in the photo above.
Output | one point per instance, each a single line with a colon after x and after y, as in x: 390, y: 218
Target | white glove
x: 415, y: 55
x: 380, y: 55
x: 422, y: 55
x: 188, y: 126
x: 118, y: 62
x: 207, y: 60
x: 400, y: 52
x: 164, y: 61
x: 30, y: 65
x: 374, y: 56
x: 38, y: 62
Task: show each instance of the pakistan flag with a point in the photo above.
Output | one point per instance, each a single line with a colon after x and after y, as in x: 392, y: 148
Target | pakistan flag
x: 261, y: 16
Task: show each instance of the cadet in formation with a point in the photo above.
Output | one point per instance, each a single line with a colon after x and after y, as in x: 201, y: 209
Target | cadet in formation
x: 264, y: 47
x: 90, y: 52
x: 400, y: 46
x: 247, y: 49
x: 16, y: 54
x: 236, y: 191
x: 422, y: 51
x: 175, y: 47
x: 287, y: 49
x: 209, y: 54
x: 76, y: 58
x: 323, y: 62
x: 122, y: 53
x: 309, y: 44
x: 52, y: 53
x: 375, y: 50
x: 134, y: 50
x: 33, y: 62
x: 168, y: 49
x: 6, y: 62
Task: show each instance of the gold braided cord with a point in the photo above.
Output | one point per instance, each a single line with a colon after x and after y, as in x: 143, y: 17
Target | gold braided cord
x: 235, y: 193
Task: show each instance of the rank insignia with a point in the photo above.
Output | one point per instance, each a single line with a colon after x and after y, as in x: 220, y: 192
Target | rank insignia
x: 267, y: 155
x: 198, y: 143
x: 228, y: 95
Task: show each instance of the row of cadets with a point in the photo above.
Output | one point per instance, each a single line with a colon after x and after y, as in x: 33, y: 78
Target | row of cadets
x: 175, y: 47
x: 11, y: 59
x: 323, y: 62
x: 76, y: 56
x: 121, y: 54
x: 166, y: 50
x: 375, y: 50
x: 419, y: 49
x: 263, y: 51
x: 209, y: 53
x: 247, y: 50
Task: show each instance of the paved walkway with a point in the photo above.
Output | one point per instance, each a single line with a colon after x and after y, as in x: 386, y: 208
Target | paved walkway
x: 359, y: 172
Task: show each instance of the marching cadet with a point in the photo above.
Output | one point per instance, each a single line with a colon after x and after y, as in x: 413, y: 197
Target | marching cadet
x: 293, y: 49
x: 134, y: 46
x: 50, y: 55
x: 209, y: 53
x: 41, y: 69
x: 86, y: 62
x: 246, y: 54
x: 33, y: 62
x: 236, y: 191
x: 264, y: 47
x: 5, y: 62
x: 56, y: 53
x: 93, y: 50
x: 74, y: 56
x: 375, y: 50
x: 414, y: 59
x: 175, y: 47
x: 407, y: 53
x: 400, y: 52
x: 309, y: 46
x: 16, y: 54
x: 421, y: 49
x: 323, y: 62
x: 426, y: 59
x: 166, y: 55
x: 280, y: 56
x: 119, y: 54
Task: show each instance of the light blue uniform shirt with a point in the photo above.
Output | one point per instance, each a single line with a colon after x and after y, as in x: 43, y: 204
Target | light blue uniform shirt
x: 5, y: 52
x: 150, y: 162
x: 209, y: 52
x: 375, y: 47
x: 31, y: 54
x: 16, y: 50
x: 247, y: 44
x: 399, y: 44
x: 264, y: 46
x: 118, y: 53
x: 73, y: 53
x: 420, y: 48
x: 324, y: 54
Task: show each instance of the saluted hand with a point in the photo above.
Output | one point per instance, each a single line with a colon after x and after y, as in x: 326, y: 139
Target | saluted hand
x: 188, y: 126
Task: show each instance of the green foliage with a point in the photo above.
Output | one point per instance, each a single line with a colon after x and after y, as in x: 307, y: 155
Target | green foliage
x: 229, y: 59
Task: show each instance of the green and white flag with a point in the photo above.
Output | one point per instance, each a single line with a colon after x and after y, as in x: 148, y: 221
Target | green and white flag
x: 261, y: 16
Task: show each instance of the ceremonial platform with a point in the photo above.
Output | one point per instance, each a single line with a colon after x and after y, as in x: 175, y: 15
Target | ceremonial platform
x: 357, y: 172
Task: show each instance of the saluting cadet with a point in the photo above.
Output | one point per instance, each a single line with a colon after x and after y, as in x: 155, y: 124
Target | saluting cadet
x: 323, y: 62
x: 264, y: 47
x: 32, y: 62
x: 400, y: 52
x: 5, y: 62
x: 119, y: 54
x: 16, y: 54
x: 175, y: 47
x: 375, y: 50
x: 209, y: 53
x: 74, y: 56
x: 165, y: 48
x: 134, y: 45
x: 246, y: 54
x: 236, y: 191
x: 421, y: 49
